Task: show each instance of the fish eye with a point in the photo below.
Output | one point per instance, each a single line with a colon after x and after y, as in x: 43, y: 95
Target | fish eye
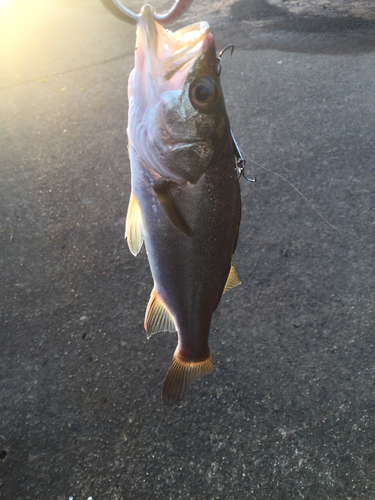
x: 203, y: 93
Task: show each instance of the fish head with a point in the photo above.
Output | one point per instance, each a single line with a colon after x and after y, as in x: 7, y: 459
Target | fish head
x: 177, y: 115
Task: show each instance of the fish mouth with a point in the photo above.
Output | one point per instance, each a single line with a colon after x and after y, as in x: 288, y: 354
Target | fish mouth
x: 169, y: 56
x: 158, y: 113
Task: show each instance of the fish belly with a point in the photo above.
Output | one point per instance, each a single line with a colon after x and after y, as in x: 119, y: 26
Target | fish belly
x: 190, y: 271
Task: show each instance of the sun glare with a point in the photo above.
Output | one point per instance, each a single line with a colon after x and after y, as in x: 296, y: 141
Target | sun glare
x: 25, y: 35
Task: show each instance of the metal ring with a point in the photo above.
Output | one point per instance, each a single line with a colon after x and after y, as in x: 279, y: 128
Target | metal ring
x: 123, y: 13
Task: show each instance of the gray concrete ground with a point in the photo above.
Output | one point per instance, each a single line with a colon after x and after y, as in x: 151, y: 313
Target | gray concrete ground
x: 289, y: 410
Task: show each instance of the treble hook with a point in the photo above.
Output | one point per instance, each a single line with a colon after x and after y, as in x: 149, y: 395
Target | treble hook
x: 120, y: 11
x: 241, y: 162
x: 230, y: 46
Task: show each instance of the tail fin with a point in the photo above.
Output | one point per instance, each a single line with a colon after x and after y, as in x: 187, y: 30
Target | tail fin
x: 180, y: 375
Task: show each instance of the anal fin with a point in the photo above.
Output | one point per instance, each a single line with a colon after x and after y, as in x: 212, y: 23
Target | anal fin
x: 232, y: 280
x: 180, y: 375
x: 165, y: 197
x: 133, y: 227
x: 158, y: 318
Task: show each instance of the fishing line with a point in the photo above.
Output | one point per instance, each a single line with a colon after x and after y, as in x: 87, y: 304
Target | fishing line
x: 309, y: 202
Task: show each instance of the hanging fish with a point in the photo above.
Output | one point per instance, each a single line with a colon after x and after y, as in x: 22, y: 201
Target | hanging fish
x: 185, y: 197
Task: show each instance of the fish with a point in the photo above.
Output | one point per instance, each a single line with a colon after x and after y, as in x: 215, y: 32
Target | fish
x: 185, y: 202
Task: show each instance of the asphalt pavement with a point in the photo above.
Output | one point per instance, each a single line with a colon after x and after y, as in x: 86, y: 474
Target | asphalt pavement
x: 289, y: 411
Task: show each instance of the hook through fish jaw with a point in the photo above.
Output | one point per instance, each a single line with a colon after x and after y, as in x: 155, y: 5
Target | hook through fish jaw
x: 119, y: 10
x: 241, y: 162
x: 230, y: 46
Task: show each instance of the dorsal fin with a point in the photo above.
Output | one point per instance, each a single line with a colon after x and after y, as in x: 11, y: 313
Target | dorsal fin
x: 158, y: 318
x: 180, y: 375
x: 165, y: 197
x: 133, y: 226
x: 232, y: 280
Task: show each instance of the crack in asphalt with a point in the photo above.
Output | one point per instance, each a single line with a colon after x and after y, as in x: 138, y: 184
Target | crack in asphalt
x: 60, y: 73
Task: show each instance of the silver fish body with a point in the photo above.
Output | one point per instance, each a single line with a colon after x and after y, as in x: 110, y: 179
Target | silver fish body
x: 185, y: 202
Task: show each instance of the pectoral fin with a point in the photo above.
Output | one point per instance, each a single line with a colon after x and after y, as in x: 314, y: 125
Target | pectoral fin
x: 133, y: 227
x: 232, y: 280
x: 165, y: 197
x: 158, y: 318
